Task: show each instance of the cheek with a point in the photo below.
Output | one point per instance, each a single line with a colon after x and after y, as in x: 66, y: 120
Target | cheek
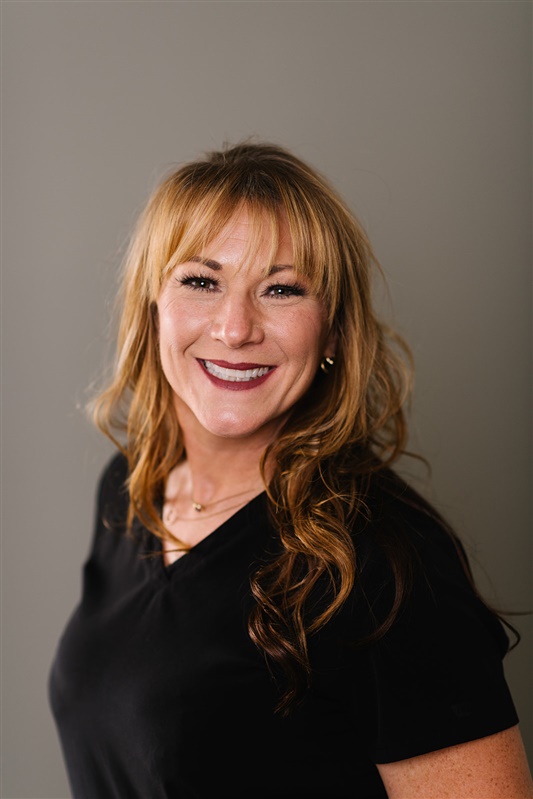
x: 306, y: 339
x: 176, y: 326
x: 169, y: 341
x: 166, y: 340
x: 168, y: 332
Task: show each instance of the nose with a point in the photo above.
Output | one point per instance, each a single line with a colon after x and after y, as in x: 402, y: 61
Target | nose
x: 237, y: 322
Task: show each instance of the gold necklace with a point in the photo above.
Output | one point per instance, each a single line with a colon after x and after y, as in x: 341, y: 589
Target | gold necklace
x: 170, y: 516
x: 198, y: 506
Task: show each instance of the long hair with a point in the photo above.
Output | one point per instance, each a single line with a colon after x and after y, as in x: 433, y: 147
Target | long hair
x: 349, y: 425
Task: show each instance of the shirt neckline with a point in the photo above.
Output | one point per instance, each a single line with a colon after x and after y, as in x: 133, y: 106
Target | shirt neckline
x: 215, y: 539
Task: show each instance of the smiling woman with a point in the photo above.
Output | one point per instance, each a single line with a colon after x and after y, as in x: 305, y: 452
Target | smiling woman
x: 268, y: 609
x: 240, y: 340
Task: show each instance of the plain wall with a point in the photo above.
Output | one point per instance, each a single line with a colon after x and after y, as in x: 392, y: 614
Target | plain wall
x: 419, y: 112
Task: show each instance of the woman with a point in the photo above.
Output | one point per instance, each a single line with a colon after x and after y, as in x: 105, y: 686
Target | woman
x: 268, y: 609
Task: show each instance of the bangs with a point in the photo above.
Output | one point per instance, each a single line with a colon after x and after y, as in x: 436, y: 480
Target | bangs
x: 216, y: 216
x: 187, y: 213
x: 315, y: 249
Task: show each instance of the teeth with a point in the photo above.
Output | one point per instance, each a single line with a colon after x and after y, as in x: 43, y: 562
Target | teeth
x: 235, y: 375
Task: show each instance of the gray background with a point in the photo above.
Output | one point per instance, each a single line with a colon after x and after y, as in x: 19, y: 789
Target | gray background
x: 420, y: 113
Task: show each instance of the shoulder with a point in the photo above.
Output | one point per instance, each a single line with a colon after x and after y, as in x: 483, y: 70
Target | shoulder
x: 112, y: 491
x: 414, y: 576
x: 434, y: 648
x: 114, y: 472
x: 405, y: 538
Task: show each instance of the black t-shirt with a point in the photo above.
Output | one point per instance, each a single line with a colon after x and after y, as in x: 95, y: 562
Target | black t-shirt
x: 159, y: 693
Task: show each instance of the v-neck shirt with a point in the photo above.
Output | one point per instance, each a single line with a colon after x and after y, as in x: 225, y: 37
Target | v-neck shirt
x: 159, y: 693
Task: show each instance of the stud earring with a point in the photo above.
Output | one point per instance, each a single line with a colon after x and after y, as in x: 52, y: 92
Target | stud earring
x: 326, y: 363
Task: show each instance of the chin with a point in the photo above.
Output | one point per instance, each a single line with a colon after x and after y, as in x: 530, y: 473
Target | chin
x: 238, y: 428
x: 233, y: 431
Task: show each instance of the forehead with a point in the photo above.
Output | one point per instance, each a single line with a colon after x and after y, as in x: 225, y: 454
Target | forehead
x: 262, y: 227
x: 251, y: 239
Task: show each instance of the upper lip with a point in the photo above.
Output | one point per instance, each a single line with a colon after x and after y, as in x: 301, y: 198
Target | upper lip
x: 241, y: 365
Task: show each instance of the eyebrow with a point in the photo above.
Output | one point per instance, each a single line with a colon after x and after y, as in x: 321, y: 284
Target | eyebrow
x: 279, y: 268
x: 206, y: 262
x: 217, y: 267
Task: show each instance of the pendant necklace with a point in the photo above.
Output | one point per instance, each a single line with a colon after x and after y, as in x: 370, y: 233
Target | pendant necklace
x: 170, y: 516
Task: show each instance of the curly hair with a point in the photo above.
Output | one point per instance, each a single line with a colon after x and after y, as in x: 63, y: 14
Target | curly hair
x: 348, y: 426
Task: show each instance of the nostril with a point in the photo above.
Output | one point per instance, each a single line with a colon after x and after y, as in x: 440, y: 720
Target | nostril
x: 237, y: 327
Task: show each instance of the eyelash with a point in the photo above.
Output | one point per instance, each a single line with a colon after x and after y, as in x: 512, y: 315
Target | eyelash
x: 290, y: 289
x: 190, y: 280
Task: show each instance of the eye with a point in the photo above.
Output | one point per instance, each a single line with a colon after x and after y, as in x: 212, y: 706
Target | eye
x: 283, y: 290
x: 198, y: 282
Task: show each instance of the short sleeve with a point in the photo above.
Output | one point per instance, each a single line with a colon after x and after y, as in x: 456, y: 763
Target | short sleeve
x: 436, y: 678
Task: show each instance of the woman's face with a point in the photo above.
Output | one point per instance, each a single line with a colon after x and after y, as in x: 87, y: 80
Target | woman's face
x: 238, y: 348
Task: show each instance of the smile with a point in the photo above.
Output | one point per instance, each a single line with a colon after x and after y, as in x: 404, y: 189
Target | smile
x: 235, y: 375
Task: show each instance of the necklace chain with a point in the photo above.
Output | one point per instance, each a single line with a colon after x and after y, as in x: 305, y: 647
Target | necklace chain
x: 170, y: 516
x: 199, y: 506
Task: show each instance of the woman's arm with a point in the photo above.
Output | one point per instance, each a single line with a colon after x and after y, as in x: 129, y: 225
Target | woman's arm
x: 494, y: 767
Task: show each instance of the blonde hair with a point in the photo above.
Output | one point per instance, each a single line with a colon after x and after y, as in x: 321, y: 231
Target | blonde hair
x: 350, y: 424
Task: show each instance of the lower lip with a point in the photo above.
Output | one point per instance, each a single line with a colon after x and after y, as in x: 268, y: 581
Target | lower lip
x: 236, y: 385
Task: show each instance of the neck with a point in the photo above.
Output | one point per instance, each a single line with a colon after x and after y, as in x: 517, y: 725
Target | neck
x: 212, y: 470
x: 217, y: 466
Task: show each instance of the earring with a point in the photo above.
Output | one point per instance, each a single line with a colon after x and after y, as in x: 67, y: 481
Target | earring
x: 326, y: 363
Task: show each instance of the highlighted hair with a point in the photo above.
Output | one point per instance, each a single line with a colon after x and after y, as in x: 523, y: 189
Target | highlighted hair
x: 349, y: 425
